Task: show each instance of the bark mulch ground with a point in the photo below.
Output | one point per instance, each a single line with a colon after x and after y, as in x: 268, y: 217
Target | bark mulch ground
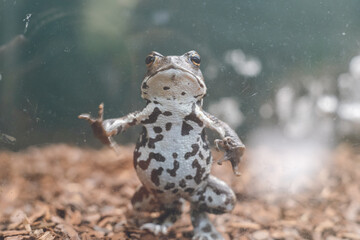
x: 66, y: 192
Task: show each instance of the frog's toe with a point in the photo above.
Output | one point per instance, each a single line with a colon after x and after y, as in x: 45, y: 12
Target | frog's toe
x: 213, y: 235
x: 155, y: 228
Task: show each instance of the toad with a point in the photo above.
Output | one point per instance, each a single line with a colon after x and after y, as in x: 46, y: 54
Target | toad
x: 172, y: 157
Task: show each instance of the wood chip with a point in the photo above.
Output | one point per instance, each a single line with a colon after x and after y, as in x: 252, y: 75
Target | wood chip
x: 261, y: 235
x: 245, y: 225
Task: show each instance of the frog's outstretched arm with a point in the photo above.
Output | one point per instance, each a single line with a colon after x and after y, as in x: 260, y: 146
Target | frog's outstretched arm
x: 104, y: 129
x: 230, y: 142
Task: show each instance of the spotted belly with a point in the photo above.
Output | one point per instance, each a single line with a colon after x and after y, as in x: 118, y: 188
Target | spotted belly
x: 166, y: 161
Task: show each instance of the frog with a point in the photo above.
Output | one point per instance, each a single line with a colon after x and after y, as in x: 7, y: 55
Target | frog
x: 172, y: 156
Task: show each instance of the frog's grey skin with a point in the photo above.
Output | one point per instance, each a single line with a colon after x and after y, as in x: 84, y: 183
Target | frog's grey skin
x: 172, y: 157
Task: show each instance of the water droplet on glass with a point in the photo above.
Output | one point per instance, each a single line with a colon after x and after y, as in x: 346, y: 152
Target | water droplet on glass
x: 67, y: 50
x: 0, y: 77
x: 343, y: 33
x: 245, y: 65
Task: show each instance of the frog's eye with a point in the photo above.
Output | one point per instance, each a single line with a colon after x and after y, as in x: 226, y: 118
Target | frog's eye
x: 149, y: 60
x: 195, y: 59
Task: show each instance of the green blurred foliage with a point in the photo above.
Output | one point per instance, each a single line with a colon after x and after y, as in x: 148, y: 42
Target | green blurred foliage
x: 76, y: 54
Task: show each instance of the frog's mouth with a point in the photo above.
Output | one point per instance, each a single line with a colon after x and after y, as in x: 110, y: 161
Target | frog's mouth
x: 173, y: 82
x: 172, y: 76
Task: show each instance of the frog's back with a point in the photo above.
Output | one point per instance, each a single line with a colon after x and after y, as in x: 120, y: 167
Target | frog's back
x: 172, y: 152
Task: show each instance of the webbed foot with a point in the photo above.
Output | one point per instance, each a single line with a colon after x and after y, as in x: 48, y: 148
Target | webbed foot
x: 98, y: 128
x: 233, y: 152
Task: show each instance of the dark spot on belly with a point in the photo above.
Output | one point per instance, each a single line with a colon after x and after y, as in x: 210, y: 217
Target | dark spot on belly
x: 210, y: 199
x: 142, y: 139
x: 152, y: 141
x: 186, y: 128
x: 207, y: 228
x: 189, y: 190
x: 183, y: 93
x: 175, y: 155
x: 168, y: 126
x: 201, y: 192
x: 195, y: 149
x: 172, y: 172
x: 155, y: 173
x: 156, y: 102
x: 203, y: 135
x: 201, y: 156
x: 166, y: 88
x: 199, y: 171
x: 208, y: 160
x: 169, y: 186
x: 192, y: 117
x: 167, y: 113
x: 173, y: 77
x: 152, y: 117
x: 189, y: 177
x: 144, y: 164
x: 205, y: 177
x: 175, y: 190
x: 157, y: 129
x: 182, y: 183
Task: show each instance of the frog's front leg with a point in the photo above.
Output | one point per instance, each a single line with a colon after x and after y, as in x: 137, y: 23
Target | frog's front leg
x: 146, y: 201
x: 215, y: 197
x: 230, y: 142
x: 104, y: 129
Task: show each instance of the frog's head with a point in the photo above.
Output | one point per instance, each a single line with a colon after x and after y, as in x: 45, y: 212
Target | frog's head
x: 170, y: 78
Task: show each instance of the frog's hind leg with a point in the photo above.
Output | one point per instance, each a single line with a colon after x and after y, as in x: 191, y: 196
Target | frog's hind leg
x: 216, y: 197
x: 171, y: 210
x: 145, y: 201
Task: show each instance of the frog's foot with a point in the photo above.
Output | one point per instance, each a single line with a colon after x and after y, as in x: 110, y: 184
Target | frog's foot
x: 234, y: 150
x: 213, y: 235
x: 164, y: 223
x: 155, y: 228
x: 98, y: 128
x: 203, y: 228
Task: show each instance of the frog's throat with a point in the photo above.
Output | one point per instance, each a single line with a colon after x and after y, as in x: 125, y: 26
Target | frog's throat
x: 175, y: 68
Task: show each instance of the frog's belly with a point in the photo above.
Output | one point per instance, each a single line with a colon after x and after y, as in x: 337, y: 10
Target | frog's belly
x: 173, y: 164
